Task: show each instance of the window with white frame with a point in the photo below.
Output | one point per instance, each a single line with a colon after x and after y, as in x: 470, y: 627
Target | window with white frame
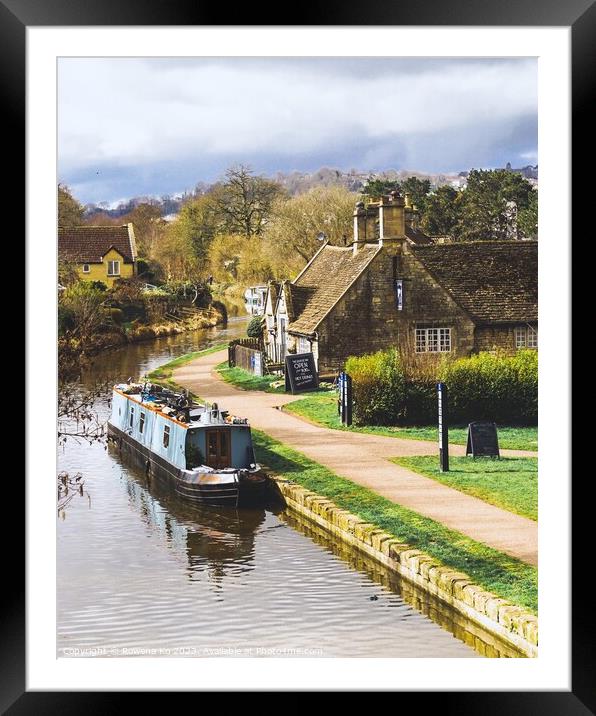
x: 166, y: 435
x: 114, y: 268
x: 526, y: 337
x: 131, y: 417
x: 141, y: 422
x: 433, y: 340
x: 86, y: 268
x: 303, y: 345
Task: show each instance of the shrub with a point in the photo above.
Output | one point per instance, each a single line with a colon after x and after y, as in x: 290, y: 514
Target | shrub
x: 487, y: 386
x: 85, y: 306
x: 99, y: 285
x: 379, y: 388
x: 491, y: 386
x: 66, y: 319
x: 255, y: 328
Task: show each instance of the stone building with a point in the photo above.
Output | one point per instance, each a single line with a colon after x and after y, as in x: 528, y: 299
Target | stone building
x: 395, y: 286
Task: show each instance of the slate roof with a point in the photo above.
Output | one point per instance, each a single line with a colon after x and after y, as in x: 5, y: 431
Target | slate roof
x: 417, y: 236
x: 324, y: 281
x: 493, y: 281
x: 296, y: 299
x: 89, y: 244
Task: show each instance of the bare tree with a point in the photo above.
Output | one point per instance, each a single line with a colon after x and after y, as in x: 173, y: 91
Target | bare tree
x: 79, y: 420
x: 244, y: 201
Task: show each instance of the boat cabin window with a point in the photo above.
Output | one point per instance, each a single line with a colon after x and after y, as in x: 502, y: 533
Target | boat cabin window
x: 132, y: 415
x: 195, y: 443
x: 166, y: 436
x: 141, y: 422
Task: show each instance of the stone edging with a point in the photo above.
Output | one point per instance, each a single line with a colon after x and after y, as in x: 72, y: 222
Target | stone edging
x: 510, y: 623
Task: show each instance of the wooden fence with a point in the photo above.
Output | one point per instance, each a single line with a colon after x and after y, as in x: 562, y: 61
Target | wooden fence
x: 248, y: 354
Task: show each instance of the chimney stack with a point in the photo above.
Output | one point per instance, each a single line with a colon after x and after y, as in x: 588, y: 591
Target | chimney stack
x: 392, y: 216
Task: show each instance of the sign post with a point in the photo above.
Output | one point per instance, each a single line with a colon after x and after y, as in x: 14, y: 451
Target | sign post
x: 300, y: 372
x: 443, y: 427
x: 345, y: 398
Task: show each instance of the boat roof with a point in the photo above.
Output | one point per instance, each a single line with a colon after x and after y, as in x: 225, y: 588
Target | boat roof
x: 163, y: 401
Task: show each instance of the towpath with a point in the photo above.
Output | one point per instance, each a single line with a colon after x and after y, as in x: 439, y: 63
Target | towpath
x: 363, y: 459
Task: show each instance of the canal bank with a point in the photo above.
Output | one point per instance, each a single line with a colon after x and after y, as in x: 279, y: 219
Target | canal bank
x: 139, y: 570
x: 506, y: 622
x: 503, y: 617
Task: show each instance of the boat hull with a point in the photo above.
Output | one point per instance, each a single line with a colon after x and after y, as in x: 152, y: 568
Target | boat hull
x: 248, y: 489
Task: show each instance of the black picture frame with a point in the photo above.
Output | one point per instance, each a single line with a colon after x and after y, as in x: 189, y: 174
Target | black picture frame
x: 579, y: 15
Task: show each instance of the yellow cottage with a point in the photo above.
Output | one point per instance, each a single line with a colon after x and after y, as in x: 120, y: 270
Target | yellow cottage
x: 100, y: 253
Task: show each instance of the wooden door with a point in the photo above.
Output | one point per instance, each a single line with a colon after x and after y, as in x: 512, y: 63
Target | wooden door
x: 218, y: 448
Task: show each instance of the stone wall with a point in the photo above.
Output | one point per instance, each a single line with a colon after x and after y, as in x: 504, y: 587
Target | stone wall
x: 495, y: 338
x: 514, y: 625
x: 366, y: 319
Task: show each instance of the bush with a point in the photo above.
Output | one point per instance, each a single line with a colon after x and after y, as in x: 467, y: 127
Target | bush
x: 379, y: 388
x: 255, y: 328
x: 66, y: 319
x: 487, y: 386
x: 495, y: 387
x: 99, y: 285
x: 85, y: 306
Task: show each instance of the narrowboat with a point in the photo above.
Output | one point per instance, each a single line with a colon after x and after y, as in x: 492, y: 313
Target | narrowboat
x: 205, y: 453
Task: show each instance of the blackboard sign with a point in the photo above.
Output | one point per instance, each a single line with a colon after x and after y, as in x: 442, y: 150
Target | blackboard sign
x: 301, y: 372
x: 482, y: 440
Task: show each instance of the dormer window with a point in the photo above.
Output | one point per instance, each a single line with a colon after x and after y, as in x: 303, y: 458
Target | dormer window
x: 114, y: 268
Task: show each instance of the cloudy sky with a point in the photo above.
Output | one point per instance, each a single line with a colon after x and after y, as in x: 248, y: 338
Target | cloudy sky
x: 130, y: 127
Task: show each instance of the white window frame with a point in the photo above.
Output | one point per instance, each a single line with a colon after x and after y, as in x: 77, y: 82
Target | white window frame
x: 166, y: 436
x: 115, y: 264
x: 86, y: 268
x: 304, y: 345
x: 526, y: 337
x: 434, y: 339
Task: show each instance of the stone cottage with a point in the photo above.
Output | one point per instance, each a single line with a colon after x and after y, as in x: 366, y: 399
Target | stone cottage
x: 395, y: 286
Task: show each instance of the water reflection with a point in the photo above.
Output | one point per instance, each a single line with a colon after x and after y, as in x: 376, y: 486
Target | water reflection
x: 215, y: 542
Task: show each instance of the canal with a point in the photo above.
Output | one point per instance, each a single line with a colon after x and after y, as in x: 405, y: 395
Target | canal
x: 141, y: 573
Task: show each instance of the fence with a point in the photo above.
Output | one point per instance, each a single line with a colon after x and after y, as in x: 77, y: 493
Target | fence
x: 247, y: 353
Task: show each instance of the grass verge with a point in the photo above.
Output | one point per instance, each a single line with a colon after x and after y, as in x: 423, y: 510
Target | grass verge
x: 507, y: 577
x: 247, y: 381
x: 163, y: 374
x: 244, y: 380
x: 510, y: 483
x: 321, y: 408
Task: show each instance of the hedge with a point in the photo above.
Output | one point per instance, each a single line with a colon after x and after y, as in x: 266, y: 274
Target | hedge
x: 486, y: 386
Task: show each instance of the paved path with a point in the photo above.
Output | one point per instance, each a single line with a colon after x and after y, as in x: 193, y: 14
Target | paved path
x: 362, y: 458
